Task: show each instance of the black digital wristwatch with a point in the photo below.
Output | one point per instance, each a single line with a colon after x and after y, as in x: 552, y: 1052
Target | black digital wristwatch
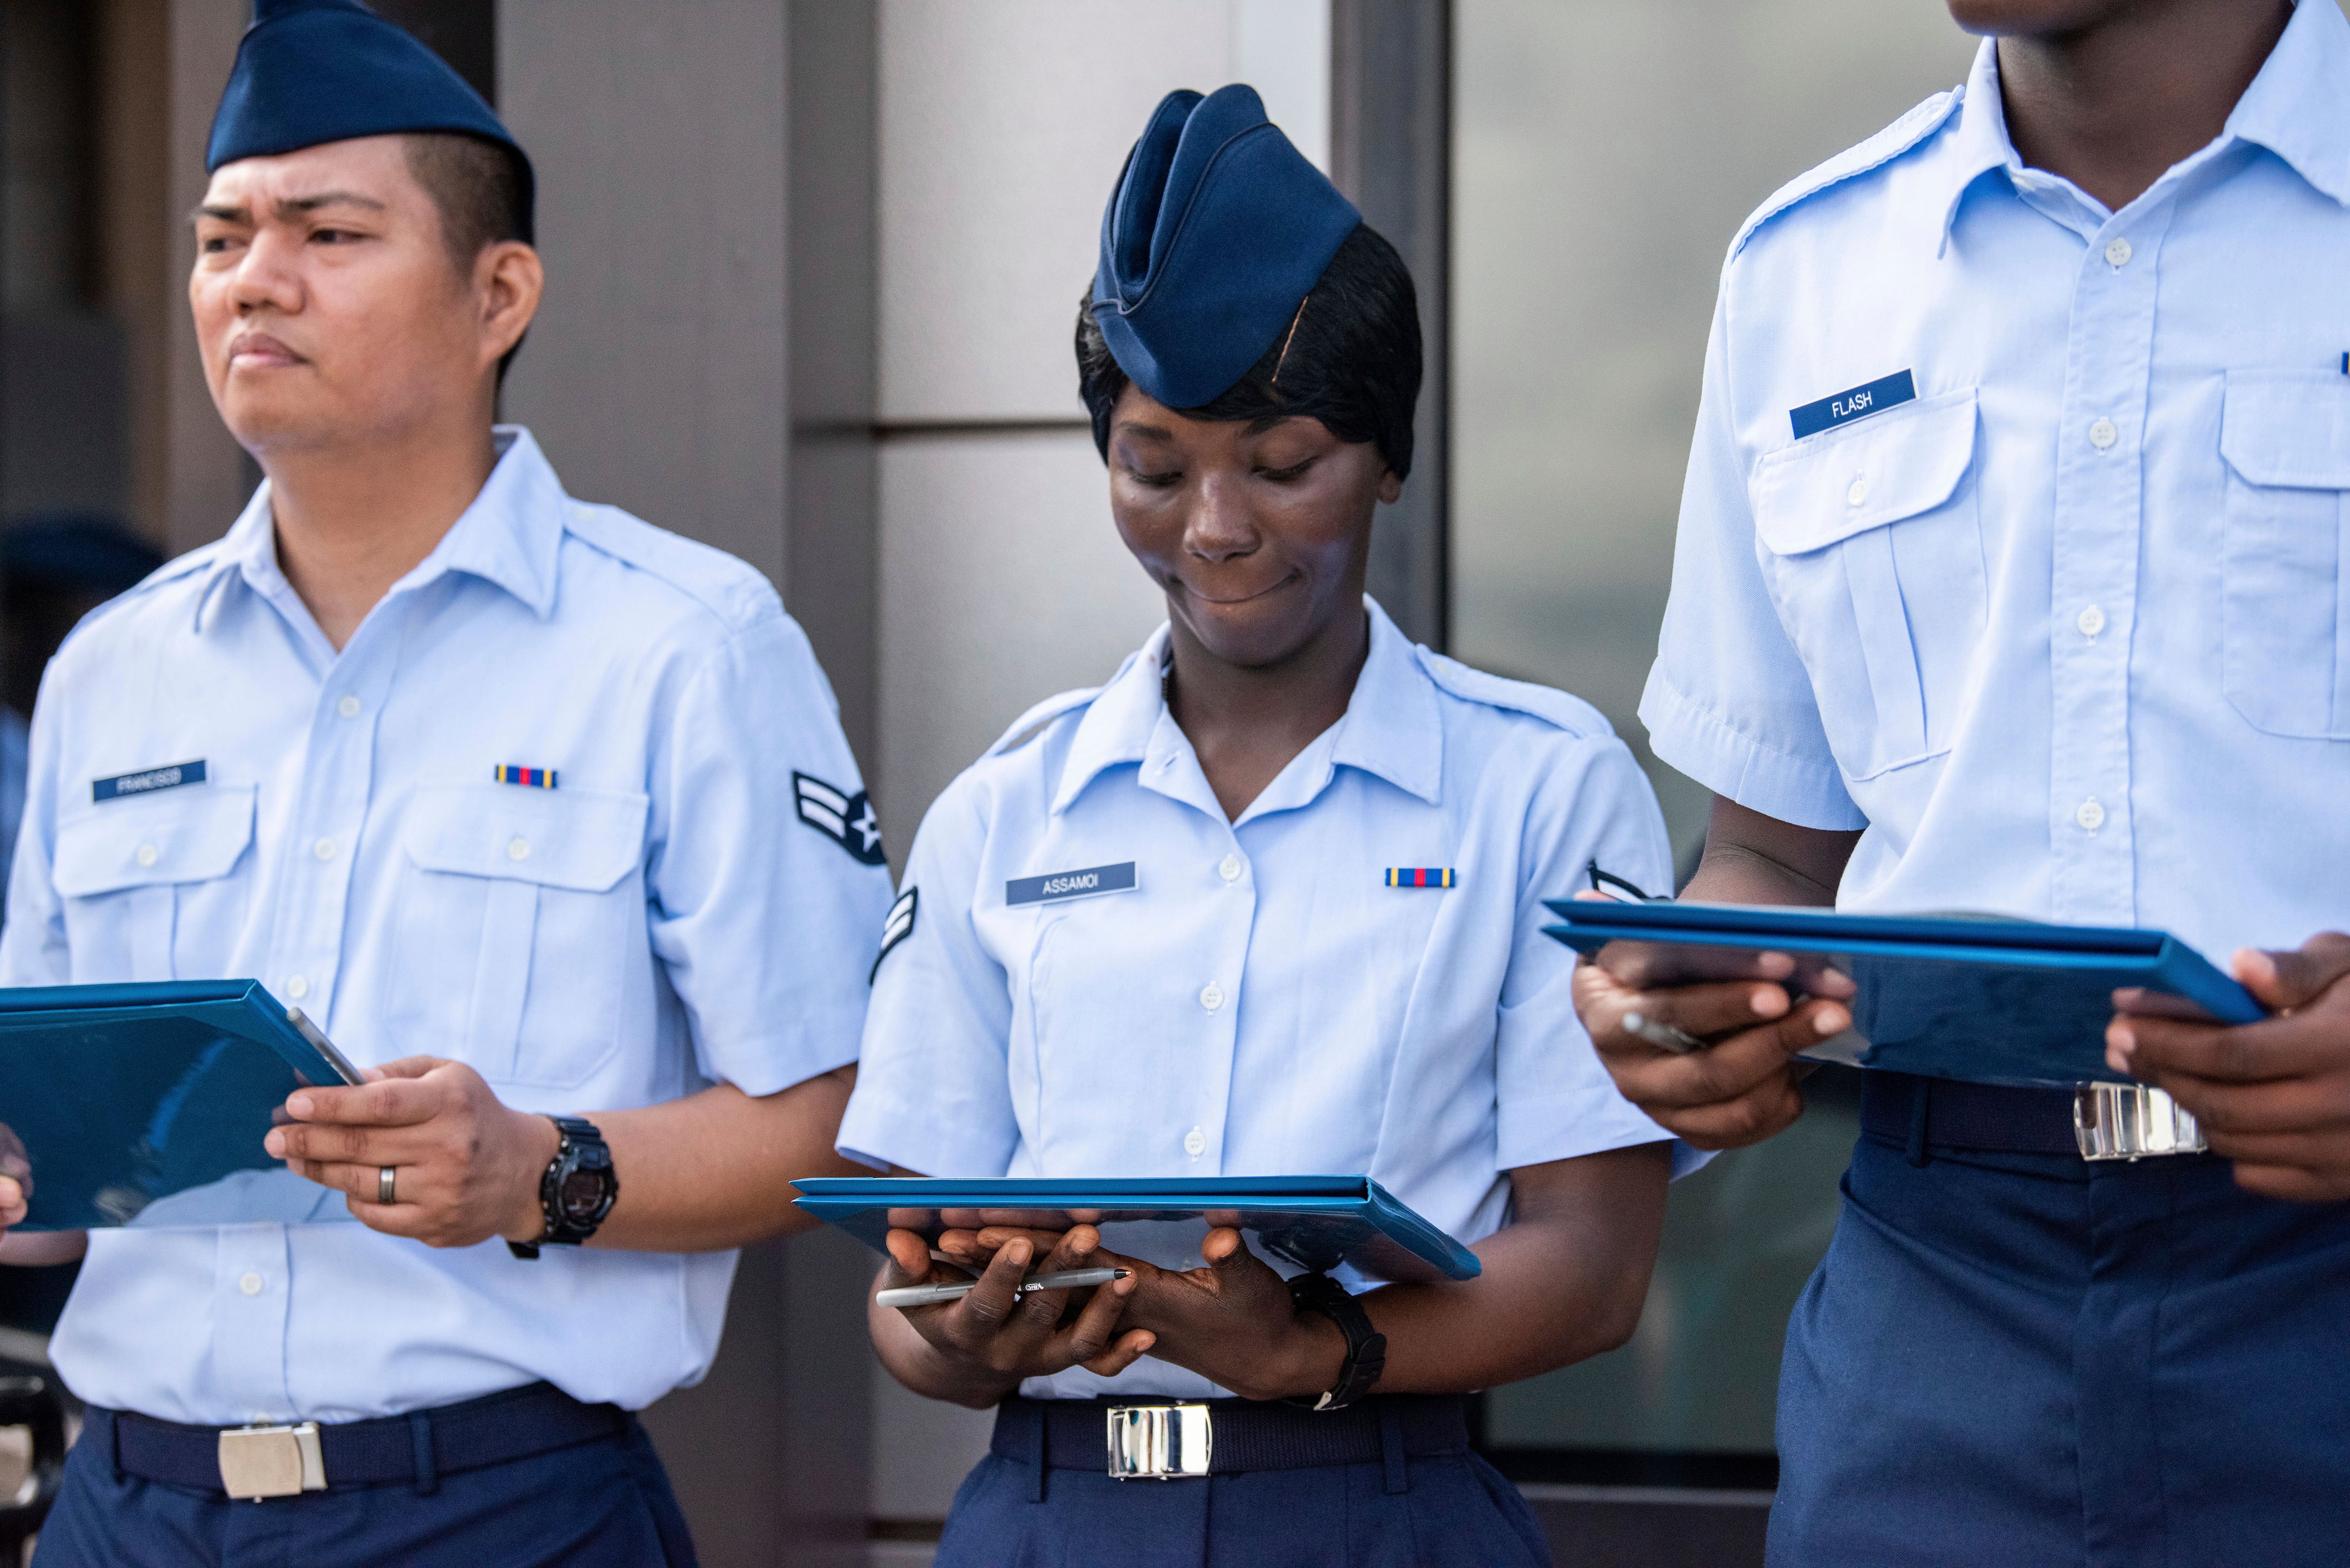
x: 577, y: 1189
x: 1367, y: 1347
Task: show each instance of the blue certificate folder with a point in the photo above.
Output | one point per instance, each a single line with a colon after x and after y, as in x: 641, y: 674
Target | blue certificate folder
x: 125, y: 1094
x: 1986, y: 999
x: 1314, y: 1221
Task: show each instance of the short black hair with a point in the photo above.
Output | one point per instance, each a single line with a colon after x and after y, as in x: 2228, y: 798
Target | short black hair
x: 478, y: 187
x: 1350, y: 358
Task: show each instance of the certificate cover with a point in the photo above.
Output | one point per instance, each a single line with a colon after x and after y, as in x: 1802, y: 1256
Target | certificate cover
x: 1314, y: 1221
x: 125, y: 1094
x: 1985, y: 1000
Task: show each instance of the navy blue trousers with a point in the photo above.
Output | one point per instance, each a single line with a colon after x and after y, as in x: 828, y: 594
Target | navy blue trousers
x: 1441, y: 1510
x: 603, y: 1504
x: 2026, y: 1359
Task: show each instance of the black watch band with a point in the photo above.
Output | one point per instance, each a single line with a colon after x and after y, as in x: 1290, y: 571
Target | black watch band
x: 1367, y: 1347
x: 577, y: 1189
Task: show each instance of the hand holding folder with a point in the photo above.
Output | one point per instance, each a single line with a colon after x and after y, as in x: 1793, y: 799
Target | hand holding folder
x: 1990, y: 1000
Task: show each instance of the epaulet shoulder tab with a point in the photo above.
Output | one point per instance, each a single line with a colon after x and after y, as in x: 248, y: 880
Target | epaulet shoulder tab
x: 1547, y: 704
x: 1034, y: 722
x: 178, y: 566
x: 1873, y: 153
x: 729, y: 587
x: 177, y: 569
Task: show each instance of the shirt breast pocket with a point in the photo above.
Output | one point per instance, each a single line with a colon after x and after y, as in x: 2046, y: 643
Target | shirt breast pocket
x: 149, y: 887
x: 523, y: 913
x: 2284, y: 596
x: 1872, y: 546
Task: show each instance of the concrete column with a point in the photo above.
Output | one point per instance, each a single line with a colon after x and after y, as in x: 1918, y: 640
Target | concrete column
x: 660, y: 376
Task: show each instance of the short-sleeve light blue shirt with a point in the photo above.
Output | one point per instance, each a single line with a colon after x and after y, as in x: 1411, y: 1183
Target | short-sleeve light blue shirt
x: 2066, y: 631
x: 662, y: 918
x: 1261, y: 999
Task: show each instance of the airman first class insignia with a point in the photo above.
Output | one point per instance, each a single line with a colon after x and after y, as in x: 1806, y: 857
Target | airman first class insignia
x: 147, y: 782
x: 847, y: 819
x: 897, y: 928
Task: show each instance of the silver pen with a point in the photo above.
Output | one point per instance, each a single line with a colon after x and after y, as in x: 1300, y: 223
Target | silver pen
x: 933, y: 1295
x: 1679, y: 1041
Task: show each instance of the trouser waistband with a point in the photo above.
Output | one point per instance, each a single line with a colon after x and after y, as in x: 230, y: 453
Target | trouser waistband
x: 1925, y: 1114
x: 1073, y: 1433
x: 416, y: 1448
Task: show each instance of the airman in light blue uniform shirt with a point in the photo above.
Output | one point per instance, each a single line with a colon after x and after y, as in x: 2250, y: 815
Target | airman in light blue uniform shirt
x: 661, y: 919
x: 1259, y: 1001
x: 2017, y: 539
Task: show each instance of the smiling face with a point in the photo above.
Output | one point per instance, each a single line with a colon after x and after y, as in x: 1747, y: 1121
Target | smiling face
x: 328, y: 309
x: 1259, y: 534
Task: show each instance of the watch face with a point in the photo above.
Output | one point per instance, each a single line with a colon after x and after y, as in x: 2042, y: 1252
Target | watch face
x: 581, y: 1194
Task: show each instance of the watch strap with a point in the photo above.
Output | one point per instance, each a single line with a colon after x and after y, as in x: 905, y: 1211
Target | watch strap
x: 579, y: 1143
x: 1367, y: 1347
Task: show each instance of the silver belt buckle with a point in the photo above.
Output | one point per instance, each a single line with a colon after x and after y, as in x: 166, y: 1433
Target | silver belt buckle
x: 271, y: 1461
x: 1160, y: 1442
x: 2130, y: 1121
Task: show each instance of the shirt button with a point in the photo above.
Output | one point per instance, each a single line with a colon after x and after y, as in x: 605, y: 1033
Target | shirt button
x: 2090, y: 816
x: 2118, y: 253
x: 324, y: 849
x: 518, y: 849
x: 348, y: 707
x: 2102, y: 434
x: 1229, y: 869
x: 1211, y: 996
x: 2092, y: 621
x: 1195, y: 1143
x: 1860, y: 491
x: 147, y: 854
x: 298, y: 987
x: 250, y: 1285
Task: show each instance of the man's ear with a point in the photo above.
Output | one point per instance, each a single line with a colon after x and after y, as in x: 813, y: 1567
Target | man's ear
x: 509, y: 281
x: 1390, y: 487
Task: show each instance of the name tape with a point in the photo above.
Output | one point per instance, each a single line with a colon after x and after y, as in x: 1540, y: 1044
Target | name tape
x: 1084, y: 884
x: 1889, y: 391
x: 148, y: 781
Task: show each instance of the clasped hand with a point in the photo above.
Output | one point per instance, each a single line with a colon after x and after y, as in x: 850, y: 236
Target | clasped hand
x: 466, y: 1168
x: 1231, y: 1319
x: 2273, y: 1096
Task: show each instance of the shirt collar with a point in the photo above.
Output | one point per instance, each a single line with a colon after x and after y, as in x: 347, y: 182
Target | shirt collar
x: 2288, y: 110
x: 1980, y: 144
x: 1392, y: 726
x: 2294, y: 108
x: 509, y: 536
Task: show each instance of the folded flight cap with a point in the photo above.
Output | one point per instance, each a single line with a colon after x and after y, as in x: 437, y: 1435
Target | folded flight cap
x: 313, y: 71
x: 1216, y: 234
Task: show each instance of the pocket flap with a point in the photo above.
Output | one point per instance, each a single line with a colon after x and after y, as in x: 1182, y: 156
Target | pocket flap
x: 191, y: 835
x: 586, y: 841
x: 1864, y: 475
x: 2288, y: 428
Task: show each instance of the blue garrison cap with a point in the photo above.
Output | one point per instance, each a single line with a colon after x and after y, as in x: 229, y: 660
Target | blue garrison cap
x: 1216, y: 234
x: 311, y: 71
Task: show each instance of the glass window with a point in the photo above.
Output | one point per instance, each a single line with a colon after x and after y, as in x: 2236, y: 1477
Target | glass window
x: 1604, y: 153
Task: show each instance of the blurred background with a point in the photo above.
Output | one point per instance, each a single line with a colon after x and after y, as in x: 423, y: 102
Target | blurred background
x: 813, y: 267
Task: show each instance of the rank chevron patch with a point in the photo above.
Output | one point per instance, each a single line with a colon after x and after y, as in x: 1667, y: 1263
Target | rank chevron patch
x: 897, y: 928
x: 847, y: 819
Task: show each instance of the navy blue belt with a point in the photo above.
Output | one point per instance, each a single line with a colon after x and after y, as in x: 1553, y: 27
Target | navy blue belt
x: 1248, y: 1434
x: 1943, y: 1113
x: 416, y: 1448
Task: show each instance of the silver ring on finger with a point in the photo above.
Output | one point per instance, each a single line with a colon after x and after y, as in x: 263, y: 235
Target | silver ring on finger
x: 387, y: 1182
